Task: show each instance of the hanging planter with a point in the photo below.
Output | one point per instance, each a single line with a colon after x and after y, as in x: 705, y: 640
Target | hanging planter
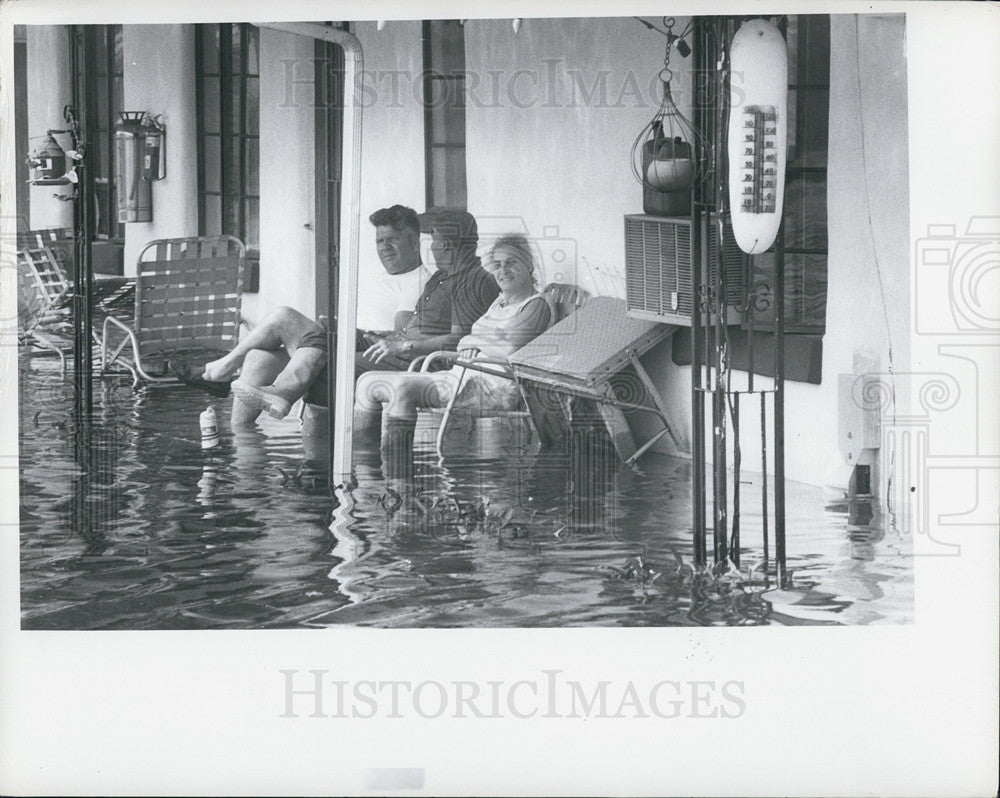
x: 663, y: 152
x: 670, y: 167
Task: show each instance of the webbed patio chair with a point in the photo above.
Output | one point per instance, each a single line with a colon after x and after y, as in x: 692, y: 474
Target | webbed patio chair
x: 44, y: 292
x: 458, y: 430
x: 188, y: 293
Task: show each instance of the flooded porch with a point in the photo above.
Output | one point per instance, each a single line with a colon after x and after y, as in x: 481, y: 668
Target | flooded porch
x: 157, y: 534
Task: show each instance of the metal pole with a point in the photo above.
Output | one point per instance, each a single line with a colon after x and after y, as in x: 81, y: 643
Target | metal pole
x: 779, y: 402
x: 734, y: 548
x: 763, y: 473
x: 697, y: 332
x: 76, y: 116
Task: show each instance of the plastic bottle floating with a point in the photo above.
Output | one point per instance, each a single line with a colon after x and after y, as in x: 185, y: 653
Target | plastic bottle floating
x: 209, y: 428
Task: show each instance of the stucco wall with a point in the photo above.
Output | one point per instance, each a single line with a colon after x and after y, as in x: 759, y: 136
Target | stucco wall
x: 49, y: 89
x: 287, y: 191
x: 159, y: 79
x: 392, y: 146
x: 868, y: 293
x: 550, y: 128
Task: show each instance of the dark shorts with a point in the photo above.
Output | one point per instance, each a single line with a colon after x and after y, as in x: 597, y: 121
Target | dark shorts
x: 314, y: 338
x: 317, y: 393
x: 317, y: 339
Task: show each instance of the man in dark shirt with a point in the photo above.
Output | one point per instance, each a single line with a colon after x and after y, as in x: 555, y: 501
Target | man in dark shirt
x: 454, y: 297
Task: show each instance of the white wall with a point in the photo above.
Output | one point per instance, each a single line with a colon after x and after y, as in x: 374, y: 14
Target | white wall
x: 868, y: 194
x: 550, y: 127
x: 868, y: 224
x: 392, y: 147
x: 287, y: 190
x: 49, y: 89
x: 159, y: 78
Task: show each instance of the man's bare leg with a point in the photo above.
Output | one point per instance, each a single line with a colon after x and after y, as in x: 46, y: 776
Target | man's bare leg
x: 304, y: 365
x: 259, y: 368
x: 282, y: 328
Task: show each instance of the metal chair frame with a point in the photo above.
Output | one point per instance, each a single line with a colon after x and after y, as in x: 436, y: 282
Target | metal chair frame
x: 565, y: 298
x: 188, y: 297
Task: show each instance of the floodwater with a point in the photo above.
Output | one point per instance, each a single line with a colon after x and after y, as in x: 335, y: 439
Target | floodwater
x: 154, y: 534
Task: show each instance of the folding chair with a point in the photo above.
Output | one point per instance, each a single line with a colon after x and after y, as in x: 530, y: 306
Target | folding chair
x: 589, y: 356
x: 187, y: 305
x: 45, y: 291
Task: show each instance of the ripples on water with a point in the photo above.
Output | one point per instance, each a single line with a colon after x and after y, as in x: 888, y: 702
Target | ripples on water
x: 157, y: 535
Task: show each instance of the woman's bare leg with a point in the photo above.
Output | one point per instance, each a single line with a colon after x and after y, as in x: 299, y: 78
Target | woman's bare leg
x: 399, y: 393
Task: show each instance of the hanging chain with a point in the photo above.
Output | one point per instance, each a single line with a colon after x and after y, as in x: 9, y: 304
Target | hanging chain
x: 666, y: 74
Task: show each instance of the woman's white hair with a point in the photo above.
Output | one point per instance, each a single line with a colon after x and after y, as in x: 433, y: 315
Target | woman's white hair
x: 519, y: 244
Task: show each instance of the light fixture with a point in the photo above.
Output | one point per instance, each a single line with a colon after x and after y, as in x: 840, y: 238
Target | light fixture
x: 379, y: 24
x: 516, y: 24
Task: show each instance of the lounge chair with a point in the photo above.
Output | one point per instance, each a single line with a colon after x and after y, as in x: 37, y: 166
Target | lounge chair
x: 593, y: 355
x: 587, y: 362
x: 187, y: 306
x: 45, y: 292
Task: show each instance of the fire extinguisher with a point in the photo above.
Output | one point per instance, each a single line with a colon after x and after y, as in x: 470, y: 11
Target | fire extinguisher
x: 135, y: 199
x: 154, y: 159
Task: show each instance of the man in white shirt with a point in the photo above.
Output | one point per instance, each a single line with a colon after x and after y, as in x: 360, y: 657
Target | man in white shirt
x: 397, y: 239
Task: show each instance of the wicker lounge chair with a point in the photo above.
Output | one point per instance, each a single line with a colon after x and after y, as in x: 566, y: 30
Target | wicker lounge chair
x: 593, y: 355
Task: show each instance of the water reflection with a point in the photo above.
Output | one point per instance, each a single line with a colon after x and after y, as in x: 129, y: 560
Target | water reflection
x: 136, y: 527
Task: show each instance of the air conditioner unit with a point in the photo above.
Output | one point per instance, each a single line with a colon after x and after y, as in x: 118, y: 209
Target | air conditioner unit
x: 658, y: 268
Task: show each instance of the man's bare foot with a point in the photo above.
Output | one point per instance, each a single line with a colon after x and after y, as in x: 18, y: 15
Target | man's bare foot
x: 219, y: 370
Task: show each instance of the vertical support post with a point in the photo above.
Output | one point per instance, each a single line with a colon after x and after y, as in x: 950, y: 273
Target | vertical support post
x: 720, y: 454
x: 779, y: 402
x: 83, y: 389
x: 697, y: 331
x: 734, y: 547
x: 697, y: 398
x: 763, y: 475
